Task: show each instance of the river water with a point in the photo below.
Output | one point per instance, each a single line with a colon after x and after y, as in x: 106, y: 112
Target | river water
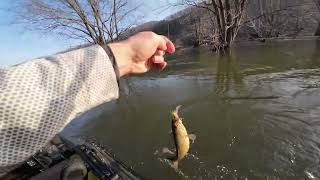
x: 255, y: 113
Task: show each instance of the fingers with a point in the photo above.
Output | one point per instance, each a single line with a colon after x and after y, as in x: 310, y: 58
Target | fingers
x: 160, y: 53
x: 165, y: 44
x: 157, y: 59
x: 160, y: 66
x: 158, y: 62
x: 169, y: 45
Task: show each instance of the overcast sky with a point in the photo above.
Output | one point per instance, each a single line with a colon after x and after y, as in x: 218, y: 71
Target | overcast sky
x: 19, y: 45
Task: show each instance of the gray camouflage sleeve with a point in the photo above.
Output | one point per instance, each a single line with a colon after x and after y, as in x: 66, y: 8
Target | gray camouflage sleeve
x: 40, y: 97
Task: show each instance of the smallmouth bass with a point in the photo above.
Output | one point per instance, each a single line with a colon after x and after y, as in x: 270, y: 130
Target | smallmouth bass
x: 181, y: 138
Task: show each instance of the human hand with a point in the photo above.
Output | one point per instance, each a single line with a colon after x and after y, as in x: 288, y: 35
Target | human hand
x: 141, y: 52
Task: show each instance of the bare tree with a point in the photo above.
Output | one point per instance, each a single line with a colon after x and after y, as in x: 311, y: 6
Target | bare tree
x: 95, y: 21
x: 226, y: 19
x: 196, y: 21
x: 272, y: 18
x: 196, y: 28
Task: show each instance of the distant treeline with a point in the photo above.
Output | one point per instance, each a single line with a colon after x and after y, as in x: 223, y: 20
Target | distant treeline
x: 263, y: 19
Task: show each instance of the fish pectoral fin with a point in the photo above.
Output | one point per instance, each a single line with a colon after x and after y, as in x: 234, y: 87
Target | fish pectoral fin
x: 166, y: 150
x: 192, y: 137
x: 170, y: 132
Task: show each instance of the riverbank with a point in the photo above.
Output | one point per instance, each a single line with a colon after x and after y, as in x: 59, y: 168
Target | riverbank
x: 189, y: 49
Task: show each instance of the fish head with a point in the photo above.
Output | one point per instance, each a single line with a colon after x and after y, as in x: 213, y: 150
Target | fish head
x: 175, y: 116
x: 176, y: 121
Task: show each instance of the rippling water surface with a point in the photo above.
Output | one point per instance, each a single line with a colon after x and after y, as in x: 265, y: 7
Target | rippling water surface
x: 256, y: 114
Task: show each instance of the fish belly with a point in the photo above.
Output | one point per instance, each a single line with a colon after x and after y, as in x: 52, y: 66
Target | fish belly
x: 183, y: 143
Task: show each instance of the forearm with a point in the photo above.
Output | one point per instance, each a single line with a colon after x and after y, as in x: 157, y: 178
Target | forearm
x: 39, y: 97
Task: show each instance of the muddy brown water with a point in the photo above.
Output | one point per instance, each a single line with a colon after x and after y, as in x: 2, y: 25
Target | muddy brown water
x: 256, y: 114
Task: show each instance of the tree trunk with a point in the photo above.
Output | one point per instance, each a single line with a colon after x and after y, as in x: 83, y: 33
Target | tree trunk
x: 317, y: 33
x: 230, y: 28
x: 317, y: 3
x: 228, y: 17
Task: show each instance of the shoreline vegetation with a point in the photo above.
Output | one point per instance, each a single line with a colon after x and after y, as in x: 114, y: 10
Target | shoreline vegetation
x: 262, y: 20
x: 181, y: 49
x: 217, y: 24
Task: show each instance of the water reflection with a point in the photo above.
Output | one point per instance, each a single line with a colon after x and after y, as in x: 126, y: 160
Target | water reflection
x: 228, y: 74
x: 315, y: 58
x: 288, y: 125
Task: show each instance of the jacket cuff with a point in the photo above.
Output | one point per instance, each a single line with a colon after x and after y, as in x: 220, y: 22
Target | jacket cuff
x: 112, y: 58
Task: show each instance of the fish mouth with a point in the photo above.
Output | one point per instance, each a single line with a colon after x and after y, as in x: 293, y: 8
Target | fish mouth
x: 175, y: 116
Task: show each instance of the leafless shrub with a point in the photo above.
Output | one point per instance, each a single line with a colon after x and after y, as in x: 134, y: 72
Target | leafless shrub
x: 94, y: 21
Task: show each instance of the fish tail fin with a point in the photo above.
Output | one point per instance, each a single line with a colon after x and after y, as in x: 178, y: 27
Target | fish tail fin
x: 175, y: 112
x: 177, y: 108
x: 174, y: 164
